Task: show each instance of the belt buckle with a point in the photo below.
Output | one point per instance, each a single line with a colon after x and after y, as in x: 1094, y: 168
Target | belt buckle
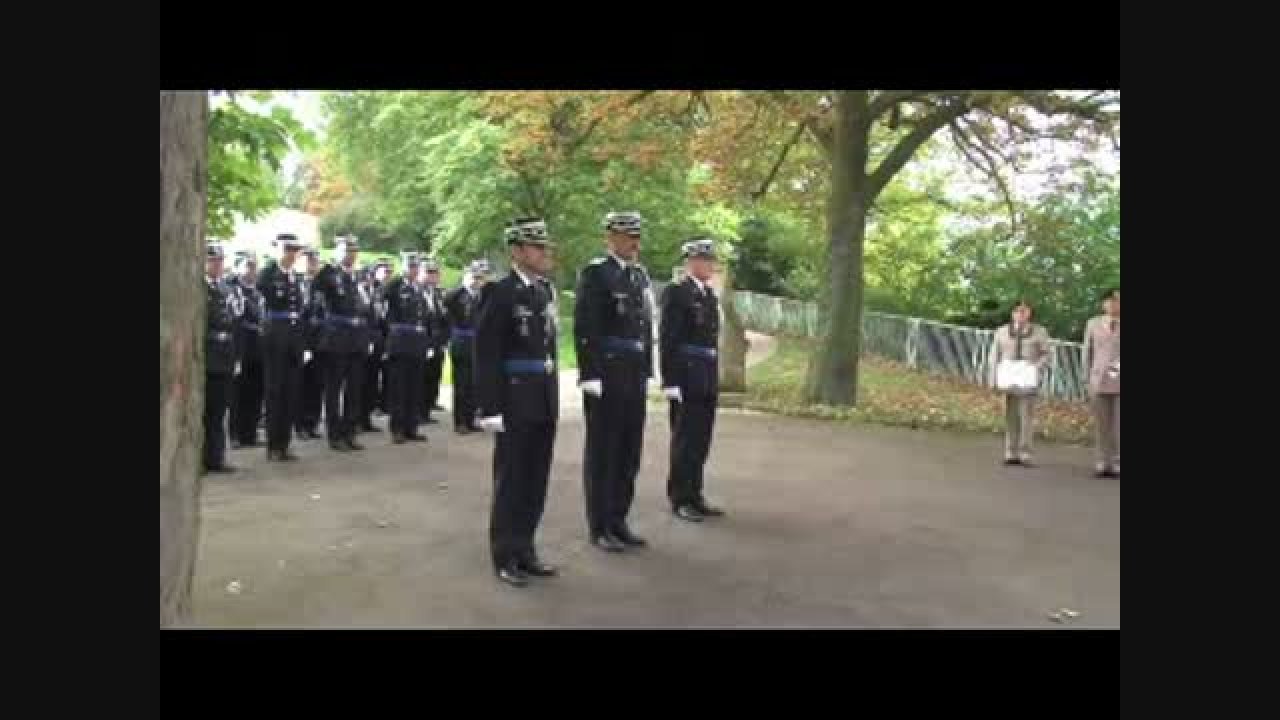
x: 550, y: 366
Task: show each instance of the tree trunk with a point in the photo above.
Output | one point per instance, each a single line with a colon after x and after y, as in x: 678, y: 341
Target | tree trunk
x: 184, y: 120
x: 733, y: 339
x: 833, y: 373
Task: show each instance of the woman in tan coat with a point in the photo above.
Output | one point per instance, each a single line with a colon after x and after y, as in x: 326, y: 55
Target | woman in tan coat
x: 1020, y: 341
x: 1102, y: 359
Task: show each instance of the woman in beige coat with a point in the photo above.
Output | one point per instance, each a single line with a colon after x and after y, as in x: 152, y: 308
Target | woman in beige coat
x: 1020, y: 340
x: 1102, y: 359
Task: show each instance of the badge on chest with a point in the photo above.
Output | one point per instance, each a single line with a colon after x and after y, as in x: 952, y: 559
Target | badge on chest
x: 523, y: 315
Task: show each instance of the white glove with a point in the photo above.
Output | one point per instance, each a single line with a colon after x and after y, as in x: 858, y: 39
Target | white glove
x: 594, y: 388
x: 492, y: 424
x: 386, y: 356
x: 431, y: 352
x: 673, y: 393
x: 236, y: 372
x: 306, y: 356
x: 370, y: 348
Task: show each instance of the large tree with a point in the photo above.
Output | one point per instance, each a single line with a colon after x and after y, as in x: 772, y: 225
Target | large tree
x: 865, y: 139
x: 183, y: 120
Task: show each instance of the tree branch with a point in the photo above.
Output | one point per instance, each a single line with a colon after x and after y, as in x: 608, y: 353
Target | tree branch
x: 885, y: 101
x: 983, y: 140
x: 755, y: 116
x: 991, y: 170
x: 825, y: 138
x: 777, y: 164
x: 907, y: 146
x: 595, y: 122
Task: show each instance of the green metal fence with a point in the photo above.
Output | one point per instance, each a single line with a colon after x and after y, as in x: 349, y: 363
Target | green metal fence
x: 933, y: 347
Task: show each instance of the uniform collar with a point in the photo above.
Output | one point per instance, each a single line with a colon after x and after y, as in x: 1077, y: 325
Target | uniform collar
x: 520, y: 274
x: 618, y: 259
x: 699, y: 284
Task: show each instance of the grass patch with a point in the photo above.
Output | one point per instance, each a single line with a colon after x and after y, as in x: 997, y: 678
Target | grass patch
x: 890, y: 393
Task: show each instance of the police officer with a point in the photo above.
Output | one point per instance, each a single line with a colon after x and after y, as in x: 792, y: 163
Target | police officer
x: 438, y: 319
x: 220, y: 361
x: 690, y: 331
x: 312, y: 364
x: 613, y: 336
x: 461, y: 305
x: 283, y: 345
x: 376, y: 315
x: 518, y: 392
x: 246, y: 399
x: 343, y: 345
x: 408, y: 345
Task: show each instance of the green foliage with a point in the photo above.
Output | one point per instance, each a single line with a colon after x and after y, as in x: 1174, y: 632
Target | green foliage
x: 456, y: 166
x: 1066, y: 252
x: 246, y: 148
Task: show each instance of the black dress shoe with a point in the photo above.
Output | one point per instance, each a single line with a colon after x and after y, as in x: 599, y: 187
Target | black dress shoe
x: 353, y: 445
x: 431, y: 421
x: 437, y: 408
x: 623, y: 533
x: 220, y: 469
x: 688, y: 512
x: 475, y: 428
x: 537, y: 568
x: 370, y: 427
x: 462, y: 430
x: 708, y: 510
x: 287, y: 456
x: 608, y: 543
x: 512, y: 575
x: 398, y: 438
x: 1012, y: 461
x: 416, y: 438
x: 339, y: 445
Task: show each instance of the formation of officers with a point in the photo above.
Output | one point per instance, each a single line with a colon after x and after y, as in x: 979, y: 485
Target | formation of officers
x: 350, y: 341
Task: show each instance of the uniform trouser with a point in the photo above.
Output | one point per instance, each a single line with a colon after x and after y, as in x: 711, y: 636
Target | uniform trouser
x: 371, y: 396
x: 384, y: 384
x: 692, y: 422
x: 1019, y: 423
x: 282, y: 376
x: 343, y: 382
x: 217, y: 391
x: 434, y: 367
x: 404, y: 392
x: 312, y: 392
x: 464, y: 392
x: 1106, y: 424
x: 615, y: 436
x: 521, y: 466
x: 246, y: 401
